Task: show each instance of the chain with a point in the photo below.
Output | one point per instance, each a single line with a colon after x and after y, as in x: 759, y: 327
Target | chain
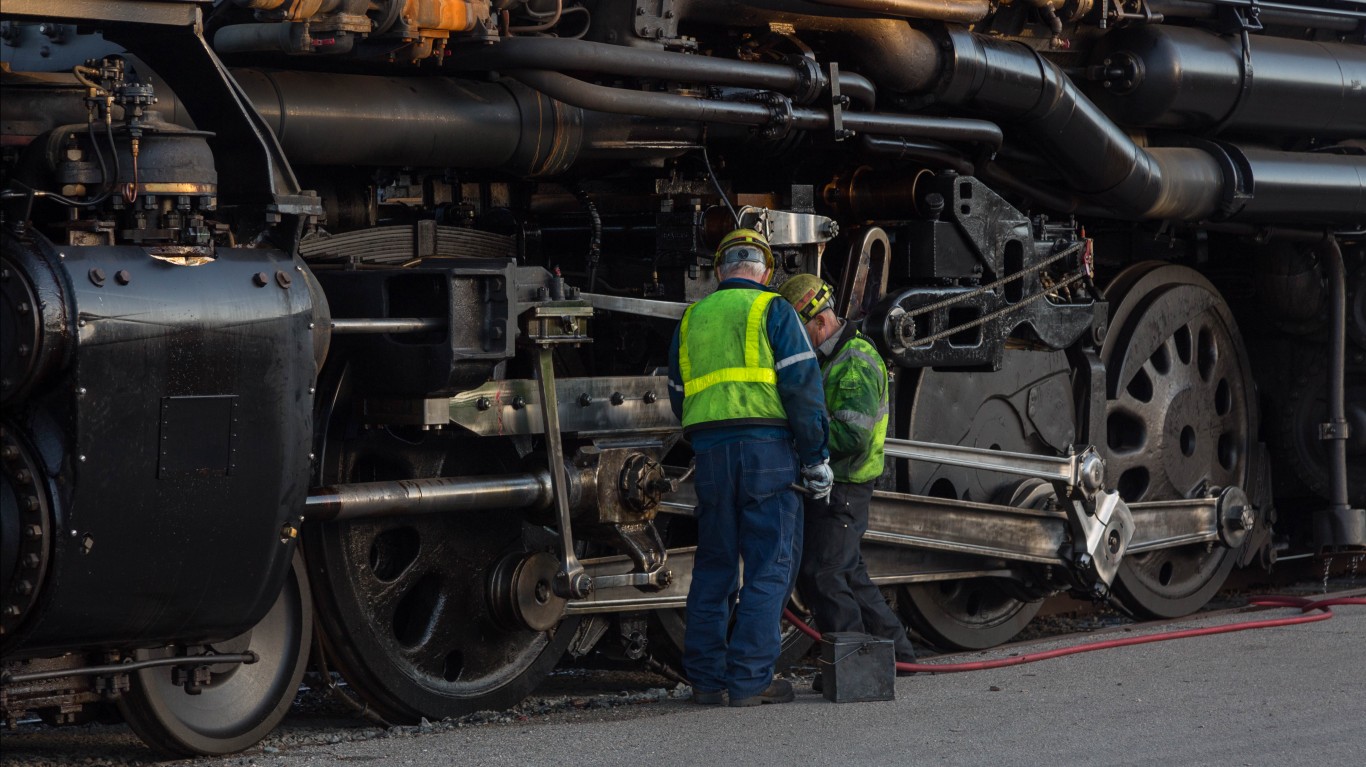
x: 998, y: 313
x: 998, y: 283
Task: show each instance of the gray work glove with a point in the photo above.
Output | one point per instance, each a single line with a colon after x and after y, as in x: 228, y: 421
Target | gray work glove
x: 817, y: 479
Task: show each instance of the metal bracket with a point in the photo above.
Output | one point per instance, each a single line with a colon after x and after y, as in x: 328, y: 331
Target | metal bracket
x: 837, y: 104
x: 1333, y: 430
x: 1081, y: 472
x: 547, y: 326
x: 1102, y: 525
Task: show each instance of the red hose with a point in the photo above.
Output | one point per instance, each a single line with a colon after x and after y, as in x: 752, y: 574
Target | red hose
x: 1305, y: 604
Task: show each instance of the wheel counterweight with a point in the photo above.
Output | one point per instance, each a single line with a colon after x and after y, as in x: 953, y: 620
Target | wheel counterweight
x: 1024, y: 407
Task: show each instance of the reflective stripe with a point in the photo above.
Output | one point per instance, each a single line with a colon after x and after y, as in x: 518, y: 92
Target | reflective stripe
x: 754, y: 325
x: 794, y: 359
x: 859, y: 419
x: 730, y: 375
x: 849, y: 351
x: 684, y: 360
x: 675, y: 387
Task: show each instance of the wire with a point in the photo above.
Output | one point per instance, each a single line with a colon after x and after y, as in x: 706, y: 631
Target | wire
x: 1307, y: 607
x: 554, y: 18
x: 107, y: 184
x: 717, y: 183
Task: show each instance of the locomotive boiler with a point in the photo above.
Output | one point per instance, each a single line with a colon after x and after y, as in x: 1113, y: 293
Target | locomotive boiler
x: 336, y: 327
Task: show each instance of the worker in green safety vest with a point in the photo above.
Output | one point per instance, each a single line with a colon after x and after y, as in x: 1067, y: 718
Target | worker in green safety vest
x: 743, y: 380
x: 833, y: 579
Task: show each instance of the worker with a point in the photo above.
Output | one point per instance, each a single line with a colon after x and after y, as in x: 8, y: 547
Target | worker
x: 833, y: 579
x: 743, y: 380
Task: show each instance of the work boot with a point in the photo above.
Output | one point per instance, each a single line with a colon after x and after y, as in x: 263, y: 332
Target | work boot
x: 708, y: 697
x: 779, y: 691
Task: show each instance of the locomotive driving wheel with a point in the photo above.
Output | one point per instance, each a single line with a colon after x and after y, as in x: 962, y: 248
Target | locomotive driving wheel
x: 405, y: 602
x: 239, y: 703
x: 1024, y: 407
x: 1180, y: 420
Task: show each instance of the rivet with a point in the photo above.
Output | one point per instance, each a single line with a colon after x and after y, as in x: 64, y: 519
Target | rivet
x: 80, y: 458
x: 123, y: 277
x: 33, y: 531
x: 32, y: 561
x: 260, y: 279
x: 282, y: 279
x: 97, y: 276
x: 81, y: 391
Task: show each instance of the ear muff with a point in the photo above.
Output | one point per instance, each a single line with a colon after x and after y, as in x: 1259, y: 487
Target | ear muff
x: 743, y: 245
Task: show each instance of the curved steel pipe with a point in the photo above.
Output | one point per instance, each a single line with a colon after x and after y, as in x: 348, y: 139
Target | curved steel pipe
x: 552, y: 53
x: 1100, y: 160
x: 674, y: 107
x: 963, y: 11
x: 428, y: 496
x: 958, y: 11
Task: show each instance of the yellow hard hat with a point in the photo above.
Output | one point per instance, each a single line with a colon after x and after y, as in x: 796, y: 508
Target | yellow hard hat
x: 743, y: 245
x: 808, y: 294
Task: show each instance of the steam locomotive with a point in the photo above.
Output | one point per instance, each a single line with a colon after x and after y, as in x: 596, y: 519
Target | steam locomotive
x: 335, y: 327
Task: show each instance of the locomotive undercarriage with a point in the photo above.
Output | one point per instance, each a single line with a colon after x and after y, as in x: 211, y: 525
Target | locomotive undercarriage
x: 426, y: 395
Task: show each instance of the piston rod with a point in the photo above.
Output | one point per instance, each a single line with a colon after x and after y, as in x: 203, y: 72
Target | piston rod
x: 388, y: 325
x: 428, y: 496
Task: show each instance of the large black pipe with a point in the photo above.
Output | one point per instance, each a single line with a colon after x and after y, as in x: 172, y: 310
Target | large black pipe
x: 328, y: 119
x: 1339, y: 525
x: 552, y: 53
x: 1270, y: 13
x: 1188, y: 79
x: 1014, y: 83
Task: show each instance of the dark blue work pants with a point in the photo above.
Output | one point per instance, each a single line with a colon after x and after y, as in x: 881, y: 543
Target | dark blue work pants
x: 834, y: 580
x: 745, y: 509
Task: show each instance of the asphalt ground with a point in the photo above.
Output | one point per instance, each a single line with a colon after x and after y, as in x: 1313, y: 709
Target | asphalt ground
x: 1277, y: 696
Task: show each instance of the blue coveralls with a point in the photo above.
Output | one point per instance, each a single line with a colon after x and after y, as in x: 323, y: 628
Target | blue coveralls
x: 745, y: 508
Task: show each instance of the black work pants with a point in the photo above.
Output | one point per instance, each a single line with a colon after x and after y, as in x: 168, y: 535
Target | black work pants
x: 833, y: 579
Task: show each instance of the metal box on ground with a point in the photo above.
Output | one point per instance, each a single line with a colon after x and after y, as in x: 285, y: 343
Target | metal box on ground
x: 857, y: 667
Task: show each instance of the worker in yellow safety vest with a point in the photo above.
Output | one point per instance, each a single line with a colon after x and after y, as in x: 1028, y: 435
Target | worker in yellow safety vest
x: 743, y: 380
x: 833, y: 578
